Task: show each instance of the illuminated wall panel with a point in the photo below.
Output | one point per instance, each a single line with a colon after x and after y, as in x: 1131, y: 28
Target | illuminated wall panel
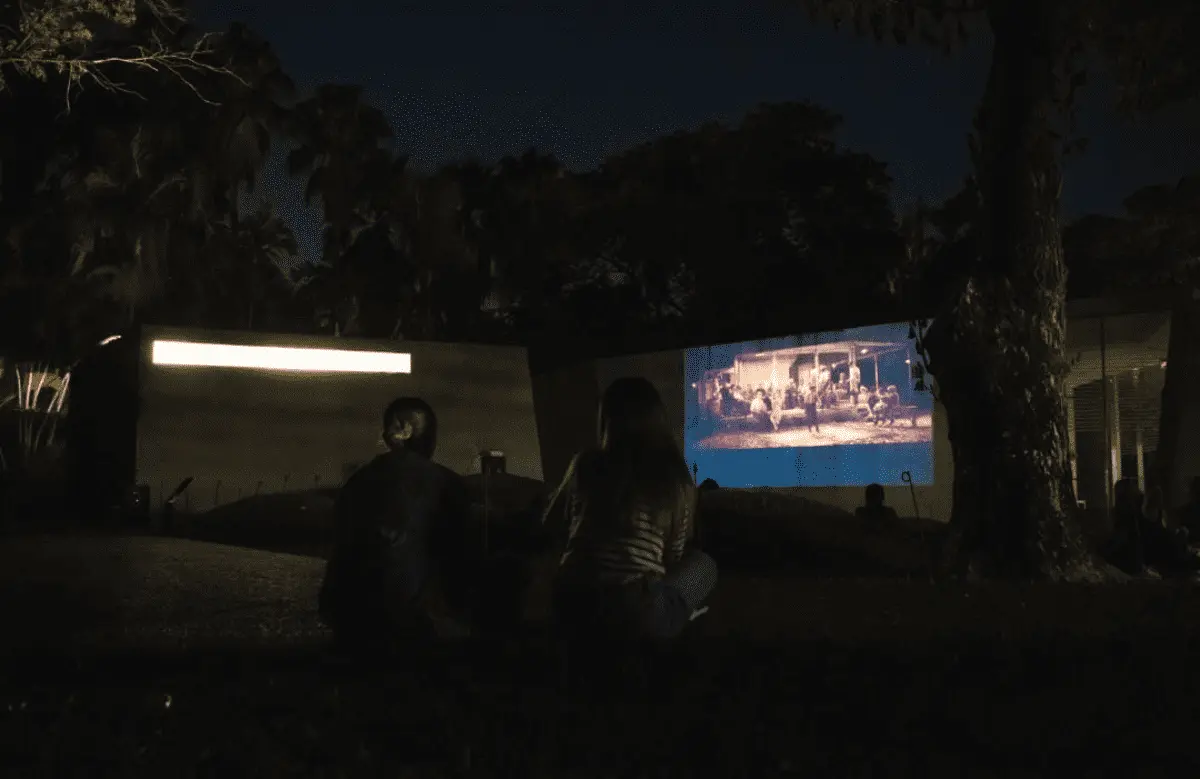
x: 246, y: 413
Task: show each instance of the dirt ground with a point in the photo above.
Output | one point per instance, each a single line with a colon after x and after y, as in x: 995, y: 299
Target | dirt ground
x: 164, y: 657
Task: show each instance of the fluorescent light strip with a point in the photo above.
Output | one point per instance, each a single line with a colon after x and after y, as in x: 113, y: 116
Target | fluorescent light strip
x: 278, y: 358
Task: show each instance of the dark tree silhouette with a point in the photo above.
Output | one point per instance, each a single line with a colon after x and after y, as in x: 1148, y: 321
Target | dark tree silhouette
x: 1155, y: 243
x: 131, y: 209
x: 751, y: 227
x: 340, y: 150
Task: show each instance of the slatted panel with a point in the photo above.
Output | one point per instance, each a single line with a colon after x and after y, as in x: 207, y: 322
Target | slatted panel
x: 1140, y: 403
x: 1129, y: 352
x: 1089, y: 408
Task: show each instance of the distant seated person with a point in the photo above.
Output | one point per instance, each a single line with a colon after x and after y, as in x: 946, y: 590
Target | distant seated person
x: 891, y: 403
x: 873, y: 508
x: 625, y: 515
x: 873, y: 404
x: 1188, y: 515
x: 399, y: 573
x: 1139, y: 538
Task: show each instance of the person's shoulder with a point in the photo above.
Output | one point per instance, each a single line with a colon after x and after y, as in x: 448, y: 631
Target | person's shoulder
x: 447, y: 474
x: 365, y: 471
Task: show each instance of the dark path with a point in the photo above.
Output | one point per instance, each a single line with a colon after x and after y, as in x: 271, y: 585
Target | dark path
x: 155, y: 592
x: 150, y: 592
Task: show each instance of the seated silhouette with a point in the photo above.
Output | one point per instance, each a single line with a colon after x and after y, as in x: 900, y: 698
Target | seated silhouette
x: 1189, y: 513
x: 1139, y: 538
x: 629, y: 568
x: 401, y: 566
x: 873, y: 508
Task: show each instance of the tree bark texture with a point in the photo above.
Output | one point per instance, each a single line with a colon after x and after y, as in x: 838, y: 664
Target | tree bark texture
x: 1179, y: 425
x: 999, y: 353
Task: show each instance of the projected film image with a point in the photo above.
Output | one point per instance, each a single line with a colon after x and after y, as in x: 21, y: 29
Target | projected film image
x: 832, y: 409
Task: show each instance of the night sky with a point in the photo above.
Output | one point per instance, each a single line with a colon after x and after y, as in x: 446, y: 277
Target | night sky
x: 457, y: 78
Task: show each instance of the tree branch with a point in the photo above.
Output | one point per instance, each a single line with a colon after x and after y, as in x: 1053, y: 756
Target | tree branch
x: 57, y: 35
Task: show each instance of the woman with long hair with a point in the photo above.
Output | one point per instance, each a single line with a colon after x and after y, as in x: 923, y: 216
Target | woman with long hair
x: 626, y: 509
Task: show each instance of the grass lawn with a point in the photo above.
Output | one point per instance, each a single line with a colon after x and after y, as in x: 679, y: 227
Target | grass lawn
x: 168, y: 657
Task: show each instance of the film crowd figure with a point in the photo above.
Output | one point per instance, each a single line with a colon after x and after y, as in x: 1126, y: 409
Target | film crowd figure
x: 811, y: 397
x: 624, y: 517
x: 1140, y: 539
x: 883, y: 405
x: 399, y: 571
x: 760, y: 407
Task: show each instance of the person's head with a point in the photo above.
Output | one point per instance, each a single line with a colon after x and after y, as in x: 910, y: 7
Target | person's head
x: 410, y: 424
x: 632, y: 413
x: 640, y: 461
x: 874, y: 495
x: 1126, y: 494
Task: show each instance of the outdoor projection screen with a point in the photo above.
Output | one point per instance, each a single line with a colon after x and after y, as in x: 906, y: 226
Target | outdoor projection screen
x: 786, y: 413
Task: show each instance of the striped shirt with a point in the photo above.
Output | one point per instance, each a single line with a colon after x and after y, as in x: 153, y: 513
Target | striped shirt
x: 639, y: 546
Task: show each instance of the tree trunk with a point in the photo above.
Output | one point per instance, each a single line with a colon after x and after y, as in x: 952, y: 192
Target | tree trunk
x: 1178, y: 462
x: 999, y: 353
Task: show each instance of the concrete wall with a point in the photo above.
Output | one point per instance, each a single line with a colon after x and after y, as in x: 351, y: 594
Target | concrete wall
x: 238, y: 431
x: 568, y: 399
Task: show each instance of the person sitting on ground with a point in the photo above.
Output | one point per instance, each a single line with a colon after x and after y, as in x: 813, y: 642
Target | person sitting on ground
x: 1139, y: 542
x: 874, y: 405
x: 1172, y: 541
x: 1152, y: 506
x: 1188, y: 515
x: 891, y: 404
x: 625, y: 517
x: 873, y: 508
x: 398, y: 571
x: 1125, y: 547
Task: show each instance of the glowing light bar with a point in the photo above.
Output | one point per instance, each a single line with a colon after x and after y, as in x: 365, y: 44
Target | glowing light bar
x: 278, y: 358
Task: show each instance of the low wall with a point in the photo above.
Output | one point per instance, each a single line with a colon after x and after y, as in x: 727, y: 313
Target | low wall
x: 239, y: 432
